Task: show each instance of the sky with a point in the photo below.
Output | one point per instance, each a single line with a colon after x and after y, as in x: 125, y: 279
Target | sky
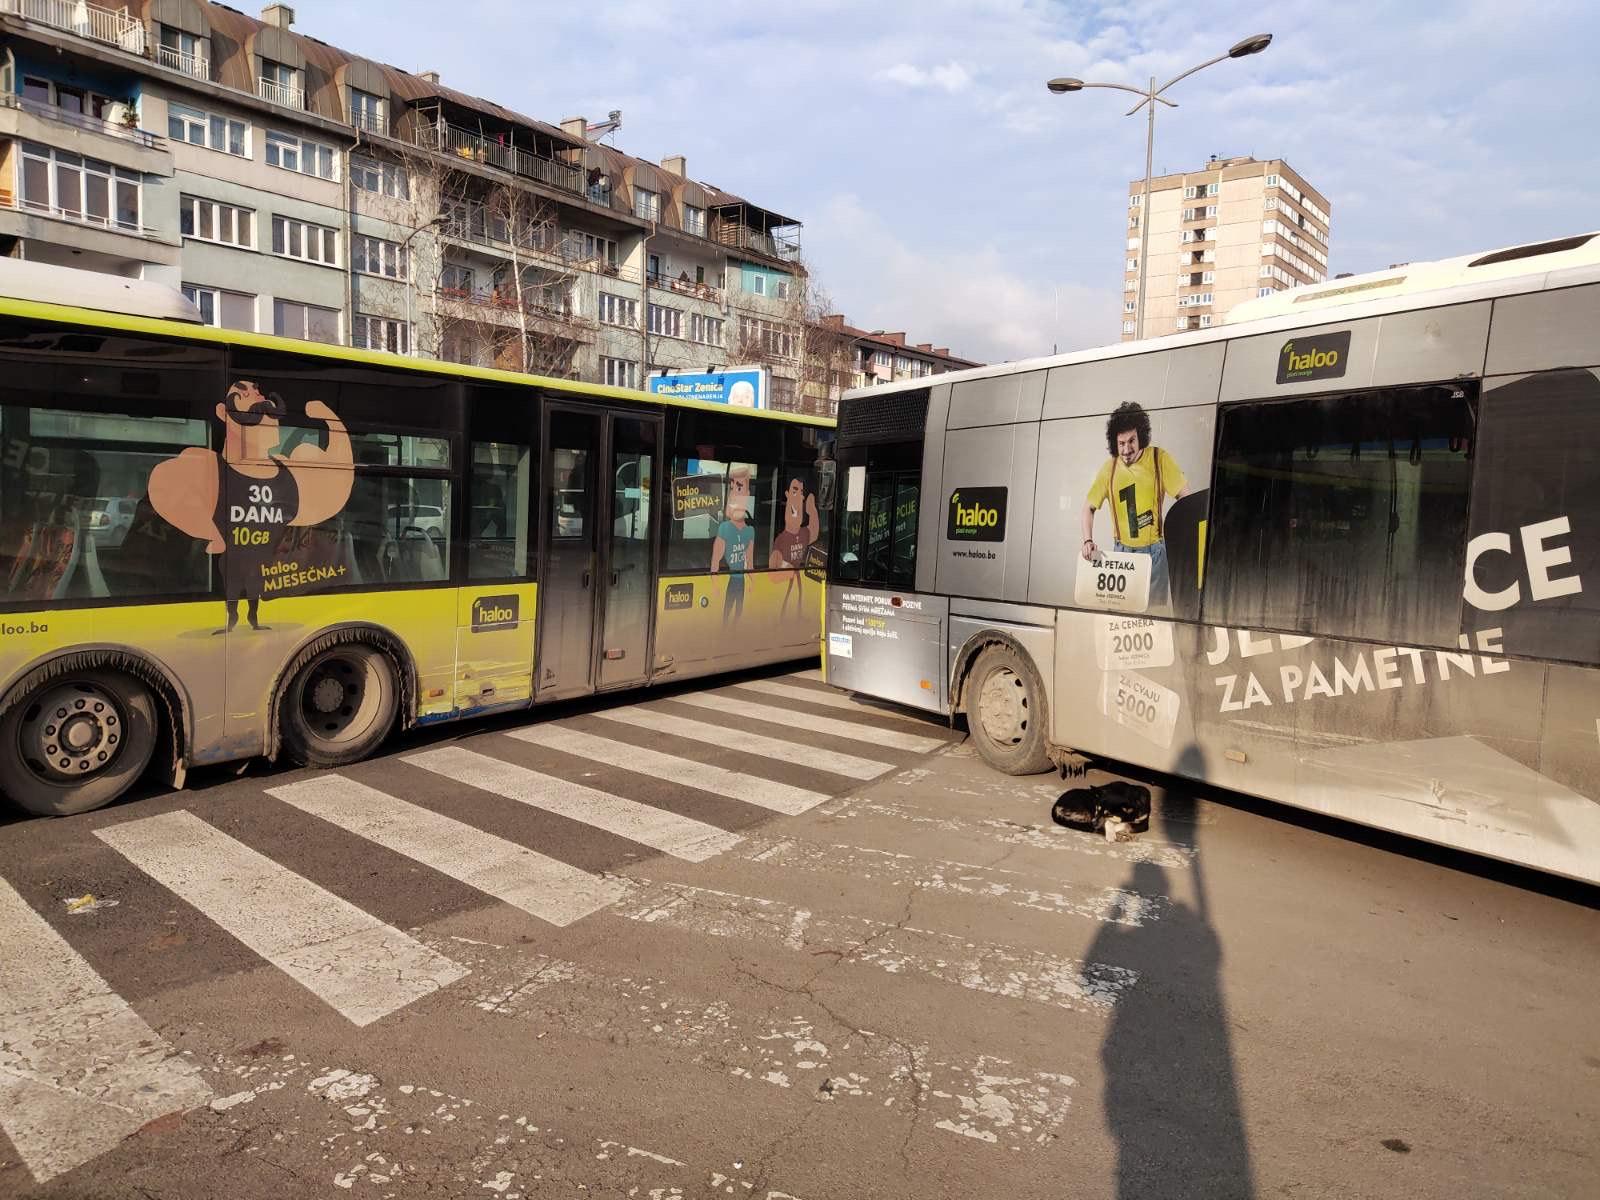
x: 945, y: 192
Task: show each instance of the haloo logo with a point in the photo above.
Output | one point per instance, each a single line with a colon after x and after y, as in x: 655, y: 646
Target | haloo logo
x: 679, y: 595
x: 1320, y: 357
x: 495, y: 612
x: 977, y: 514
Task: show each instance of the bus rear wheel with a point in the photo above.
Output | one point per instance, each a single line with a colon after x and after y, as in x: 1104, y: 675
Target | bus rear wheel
x: 1006, y: 712
x: 339, y: 706
x: 76, y: 742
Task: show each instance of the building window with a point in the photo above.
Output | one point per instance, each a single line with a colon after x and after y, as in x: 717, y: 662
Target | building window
x: 1127, y: 327
x: 1208, y: 276
x: 758, y: 285
x: 209, y: 130
x: 305, y: 321
x: 1205, y: 321
x: 301, y: 239
x: 619, y: 372
x: 1127, y: 306
x: 694, y: 220
x: 377, y: 256
x: 1133, y: 264
x: 1182, y: 323
x: 1264, y: 291
x: 380, y: 178
x: 212, y: 222
x: 368, y: 111
x: 599, y: 249
x: 646, y: 204
x: 455, y: 278
x: 223, y: 310
x: 1135, y: 200
x: 80, y: 189
x: 379, y: 333
x: 301, y: 154
x: 666, y: 321
x: 780, y: 288
x: 705, y: 330
x: 1189, y: 193
x: 1130, y: 285
x: 184, y: 52
x: 618, y: 310
x: 1211, y: 190
x: 280, y: 83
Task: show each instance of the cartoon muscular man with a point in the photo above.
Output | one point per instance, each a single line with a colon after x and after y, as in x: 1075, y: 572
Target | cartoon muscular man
x: 735, y: 541
x: 789, y: 547
x: 244, y: 502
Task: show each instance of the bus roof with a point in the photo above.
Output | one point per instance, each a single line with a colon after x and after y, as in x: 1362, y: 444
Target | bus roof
x: 186, y: 327
x: 46, y: 282
x: 1536, y: 267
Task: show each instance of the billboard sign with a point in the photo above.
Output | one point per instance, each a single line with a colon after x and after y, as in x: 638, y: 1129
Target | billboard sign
x: 737, y: 387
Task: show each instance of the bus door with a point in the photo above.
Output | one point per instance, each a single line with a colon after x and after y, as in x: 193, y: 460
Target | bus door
x: 598, y: 572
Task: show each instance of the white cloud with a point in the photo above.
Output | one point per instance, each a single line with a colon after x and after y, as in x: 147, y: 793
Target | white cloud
x: 951, y: 77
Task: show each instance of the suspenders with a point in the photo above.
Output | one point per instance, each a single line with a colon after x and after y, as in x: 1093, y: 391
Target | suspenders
x: 1161, y: 492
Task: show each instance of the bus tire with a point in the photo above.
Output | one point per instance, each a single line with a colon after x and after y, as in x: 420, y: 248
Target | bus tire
x: 1006, y: 712
x: 339, y: 706
x: 76, y: 742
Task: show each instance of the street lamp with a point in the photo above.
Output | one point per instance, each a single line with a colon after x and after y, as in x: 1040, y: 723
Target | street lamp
x: 405, y: 253
x: 1254, y: 44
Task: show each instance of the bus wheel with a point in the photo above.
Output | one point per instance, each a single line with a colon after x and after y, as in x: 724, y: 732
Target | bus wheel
x: 339, y: 706
x: 76, y: 742
x: 1006, y: 712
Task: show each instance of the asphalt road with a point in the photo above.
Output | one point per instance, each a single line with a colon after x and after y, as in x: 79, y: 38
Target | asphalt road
x: 754, y: 939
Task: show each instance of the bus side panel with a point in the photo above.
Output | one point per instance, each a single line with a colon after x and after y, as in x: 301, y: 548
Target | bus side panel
x: 888, y: 644
x: 773, y: 616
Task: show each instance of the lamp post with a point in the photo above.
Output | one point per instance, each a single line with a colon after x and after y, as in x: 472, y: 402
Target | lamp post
x: 1151, y: 95
x: 405, y: 253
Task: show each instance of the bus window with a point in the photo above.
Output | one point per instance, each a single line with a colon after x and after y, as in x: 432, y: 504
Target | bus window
x: 722, y: 465
x: 1344, y: 515
x: 497, y: 545
x: 1534, y: 557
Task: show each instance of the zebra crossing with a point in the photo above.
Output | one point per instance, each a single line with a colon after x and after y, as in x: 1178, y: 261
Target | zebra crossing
x: 365, y: 969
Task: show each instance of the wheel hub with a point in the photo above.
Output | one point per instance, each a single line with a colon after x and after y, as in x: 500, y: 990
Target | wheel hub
x: 1002, y: 707
x: 328, y: 695
x: 74, y: 730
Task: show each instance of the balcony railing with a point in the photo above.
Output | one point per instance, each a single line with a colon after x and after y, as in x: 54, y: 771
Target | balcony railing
x: 503, y: 301
x: 197, y: 65
x: 114, y: 28
x: 446, y: 138
x: 372, y: 122
x: 280, y: 93
x: 686, y: 287
x: 50, y: 112
x: 782, y: 248
x: 10, y: 201
x: 476, y: 224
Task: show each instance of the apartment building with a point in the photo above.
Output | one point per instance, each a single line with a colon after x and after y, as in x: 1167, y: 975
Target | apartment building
x: 878, y: 356
x: 291, y: 187
x: 1236, y: 229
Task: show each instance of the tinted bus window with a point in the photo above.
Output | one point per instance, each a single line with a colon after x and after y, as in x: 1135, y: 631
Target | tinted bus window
x: 1343, y: 516
x: 85, y: 418
x: 1535, y: 560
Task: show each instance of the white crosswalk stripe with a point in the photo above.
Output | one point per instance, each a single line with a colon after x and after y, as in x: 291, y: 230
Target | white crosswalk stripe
x: 681, y: 837
x: 79, y: 1069
x: 795, y: 753
x: 752, y: 789
x: 543, y: 887
x: 738, y: 708
x: 350, y: 960
x: 828, y: 698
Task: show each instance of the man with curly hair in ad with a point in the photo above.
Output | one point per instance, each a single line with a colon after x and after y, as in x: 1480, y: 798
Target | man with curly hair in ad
x: 1139, y: 480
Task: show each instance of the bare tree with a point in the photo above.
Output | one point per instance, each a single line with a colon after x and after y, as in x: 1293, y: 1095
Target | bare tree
x: 798, y: 341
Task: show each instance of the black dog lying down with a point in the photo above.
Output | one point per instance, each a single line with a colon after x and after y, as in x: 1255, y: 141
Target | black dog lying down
x: 1122, y: 806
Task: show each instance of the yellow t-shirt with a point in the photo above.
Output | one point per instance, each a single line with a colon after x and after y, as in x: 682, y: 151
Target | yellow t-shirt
x: 1134, y: 494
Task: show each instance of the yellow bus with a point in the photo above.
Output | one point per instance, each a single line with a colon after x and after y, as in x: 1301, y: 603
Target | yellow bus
x: 218, y: 545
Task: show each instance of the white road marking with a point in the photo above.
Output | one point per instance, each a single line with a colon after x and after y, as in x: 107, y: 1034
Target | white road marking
x: 345, y: 957
x: 830, y: 698
x: 681, y: 837
x: 79, y: 1069
x: 986, y: 1098
x: 796, y: 753
x: 737, y: 708
x: 964, y: 879
x: 1014, y: 833
x: 544, y: 887
x: 752, y: 789
x: 813, y: 673
x: 1000, y: 970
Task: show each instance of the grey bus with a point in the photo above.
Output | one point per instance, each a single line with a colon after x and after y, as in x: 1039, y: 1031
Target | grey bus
x: 1341, y: 552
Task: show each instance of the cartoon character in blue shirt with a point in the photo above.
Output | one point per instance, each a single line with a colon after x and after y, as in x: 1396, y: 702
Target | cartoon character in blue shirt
x: 735, y: 541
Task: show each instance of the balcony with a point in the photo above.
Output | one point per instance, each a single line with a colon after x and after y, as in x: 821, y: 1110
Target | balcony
x: 473, y: 147
x: 500, y: 303
x: 11, y: 202
x: 281, y: 93
x: 476, y: 224
x: 119, y: 29
x: 781, y: 245
x: 50, y: 112
x: 197, y: 65
x: 686, y: 287
x: 371, y: 122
